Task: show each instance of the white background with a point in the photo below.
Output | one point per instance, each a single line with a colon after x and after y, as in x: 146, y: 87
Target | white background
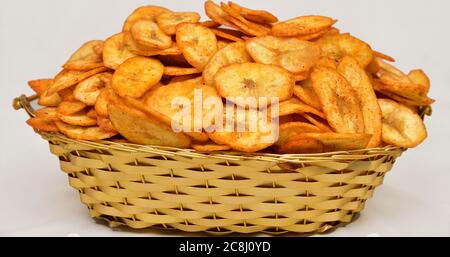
x: 38, y: 36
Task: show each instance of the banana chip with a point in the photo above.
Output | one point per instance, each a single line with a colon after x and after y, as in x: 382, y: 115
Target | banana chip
x: 88, y: 57
x: 147, y: 33
x: 301, y: 145
x: 215, y: 13
x: 68, y: 78
x: 420, y: 78
x: 244, y: 25
x: 363, y: 88
x: 144, y: 13
x: 105, y: 124
x: 254, y: 80
x: 43, y: 124
x: 168, y: 22
x: 49, y: 100
x: 197, y: 43
x: 137, y: 75
x: 293, y: 106
x: 88, y: 90
x: 115, y: 52
x: 70, y: 107
x: 80, y: 119
x: 402, y: 127
x: 303, y: 25
x: 101, y: 105
x: 338, y: 100
x: 318, y: 122
x: 225, y: 34
x: 48, y: 113
x: 292, y: 129
x: 340, y: 142
x: 84, y: 133
x: 231, y: 54
x: 178, y: 71
x: 259, y: 16
x: 39, y: 86
x: 305, y: 92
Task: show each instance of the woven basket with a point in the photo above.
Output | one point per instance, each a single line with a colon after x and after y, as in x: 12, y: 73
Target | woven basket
x: 145, y: 186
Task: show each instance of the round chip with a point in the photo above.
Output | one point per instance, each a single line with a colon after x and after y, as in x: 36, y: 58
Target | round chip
x: 254, y: 80
x: 88, y: 90
x: 137, y: 75
x: 294, y: 106
x: 197, y: 43
x: 115, y: 52
x: 338, y: 100
x: 302, y: 25
x: 402, y: 127
x: 144, y: 13
x: 80, y: 119
x: 231, y: 54
x: 84, y: 133
x: 48, y: 113
x: 148, y: 34
x: 69, y: 78
x: 88, y: 57
x: 70, y: 107
x: 168, y: 21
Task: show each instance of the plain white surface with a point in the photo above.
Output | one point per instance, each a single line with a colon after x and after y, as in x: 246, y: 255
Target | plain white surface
x: 38, y: 36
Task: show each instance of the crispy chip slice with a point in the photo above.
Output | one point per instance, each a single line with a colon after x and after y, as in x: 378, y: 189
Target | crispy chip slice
x: 79, y: 119
x: 92, y: 114
x: 215, y: 13
x: 142, y: 50
x: 105, y: 124
x: 148, y: 34
x: 84, y: 133
x: 293, y: 106
x: 137, y: 75
x: 419, y: 77
x: 315, y: 36
x: 182, y: 78
x: 259, y: 16
x: 302, y: 25
x: 245, y: 25
x: 292, y: 54
x: 301, y: 145
x: 179, y: 71
x: 402, y: 127
x: 168, y: 21
x: 49, y: 100
x: 318, y: 122
x: 338, y: 100
x: 231, y: 54
x: 254, y: 80
x: 291, y: 129
x: 115, y: 52
x: 43, y: 124
x: 88, y: 57
x: 210, y: 148
x: 326, y: 62
x: 338, y: 46
x: 362, y: 86
x: 39, y: 86
x: 223, y: 34
x: 144, y: 13
x: 70, y: 107
x: 101, y: 104
x: 89, y: 89
x: 67, y: 78
x: 197, y: 43
x: 210, y: 24
x: 305, y: 92
x: 340, y: 142
x: 383, y: 56
x: 48, y: 113
x: 417, y: 101
x: 141, y: 128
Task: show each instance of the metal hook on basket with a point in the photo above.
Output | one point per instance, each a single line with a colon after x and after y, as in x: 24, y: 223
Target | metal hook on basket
x: 23, y: 102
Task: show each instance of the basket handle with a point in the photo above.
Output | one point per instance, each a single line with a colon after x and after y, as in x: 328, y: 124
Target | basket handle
x: 24, y: 102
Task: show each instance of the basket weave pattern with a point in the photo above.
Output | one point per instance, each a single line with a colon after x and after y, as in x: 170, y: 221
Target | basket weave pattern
x: 142, y: 187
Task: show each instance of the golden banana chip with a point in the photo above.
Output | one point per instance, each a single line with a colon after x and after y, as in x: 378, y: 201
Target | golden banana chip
x: 105, y: 124
x: 88, y: 57
x: 301, y: 145
x: 197, y: 43
x: 84, y: 133
x: 305, y: 92
x: 168, y: 21
x: 115, y: 52
x: 137, y: 75
x: 215, y: 13
x: 223, y: 34
x: 302, y: 25
x: 383, y: 56
x: 402, y: 127
x: 49, y: 100
x: 79, y: 119
x: 92, y: 114
x: 43, y: 124
x: 179, y: 71
x: 420, y: 78
x: 144, y: 13
x: 148, y: 34
x: 258, y: 16
x: 292, y: 54
x: 338, y: 100
x: 210, y: 24
x: 291, y: 129
x: 48, y: 113
x: 314, y: 36
x: 182, y: 78
x: 340, y: 142
x: 89, y: 89
x: 243, y: 24
x: 231, y: 54
x: 101, y: 105
x: 254, y: 80
x: 39, y: 86
x: 363, y: 88
x: 70, y: 107
x: 338, y: 46
x: 318, y: 122
x: 141, y: 128
x: 293, y: 106
x: 210, y: 148
x: 68, y: 78
x: 416, y: 101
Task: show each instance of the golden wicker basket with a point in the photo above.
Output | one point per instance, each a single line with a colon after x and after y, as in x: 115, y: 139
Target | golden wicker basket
x: 146, y: 186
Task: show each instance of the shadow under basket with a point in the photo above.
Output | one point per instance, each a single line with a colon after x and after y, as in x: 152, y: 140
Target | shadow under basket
x: 145, y: 186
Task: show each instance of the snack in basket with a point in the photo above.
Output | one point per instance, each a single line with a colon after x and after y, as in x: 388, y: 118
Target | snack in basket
x: 243, y: 81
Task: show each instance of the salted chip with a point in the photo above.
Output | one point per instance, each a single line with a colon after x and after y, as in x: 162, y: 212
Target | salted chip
x: 294, y: 106
x: 318, y: 122
x: 301, y: 145
x: 362, y: 86
x: 105, y: 124
x: 88, y: 57
x: 148, y: 34
x: 39, y: 86
x: 141, y: 128
x: 210, y: 24
x: 383, y: 56
x: 80, y: 119
x: 137, y: 75
x: 49, y: 100
x: 302, y: 25
x: 89, y: 89
x: 169, y: 21
x: 339, y: 101
x: 144, y: 13
x: 402, y: 127
x: 209, y: 148
x: 416, y: 101
x: 84, y: 133
x: 101, y: 104
x: 244, y: 25
x: 221, y: 33
x: 419, y: 77
x: 48, y: 113
x: 254, y: 80
x: 338, y: 46
x: 231, y: 54
x: 259, y: 16
x: 291, y: 129
x: 340, y: 142
x: 215, y: 13
x: 305, y: 92
x: 197, y: 43
x: 326, y: 62
x: 69, y: 78
x: 179, y: 71
x: 70, y: 107
x: 43, y: 124
x: 292, y: 54
x: 314, y: 36
x: 115, y: 52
